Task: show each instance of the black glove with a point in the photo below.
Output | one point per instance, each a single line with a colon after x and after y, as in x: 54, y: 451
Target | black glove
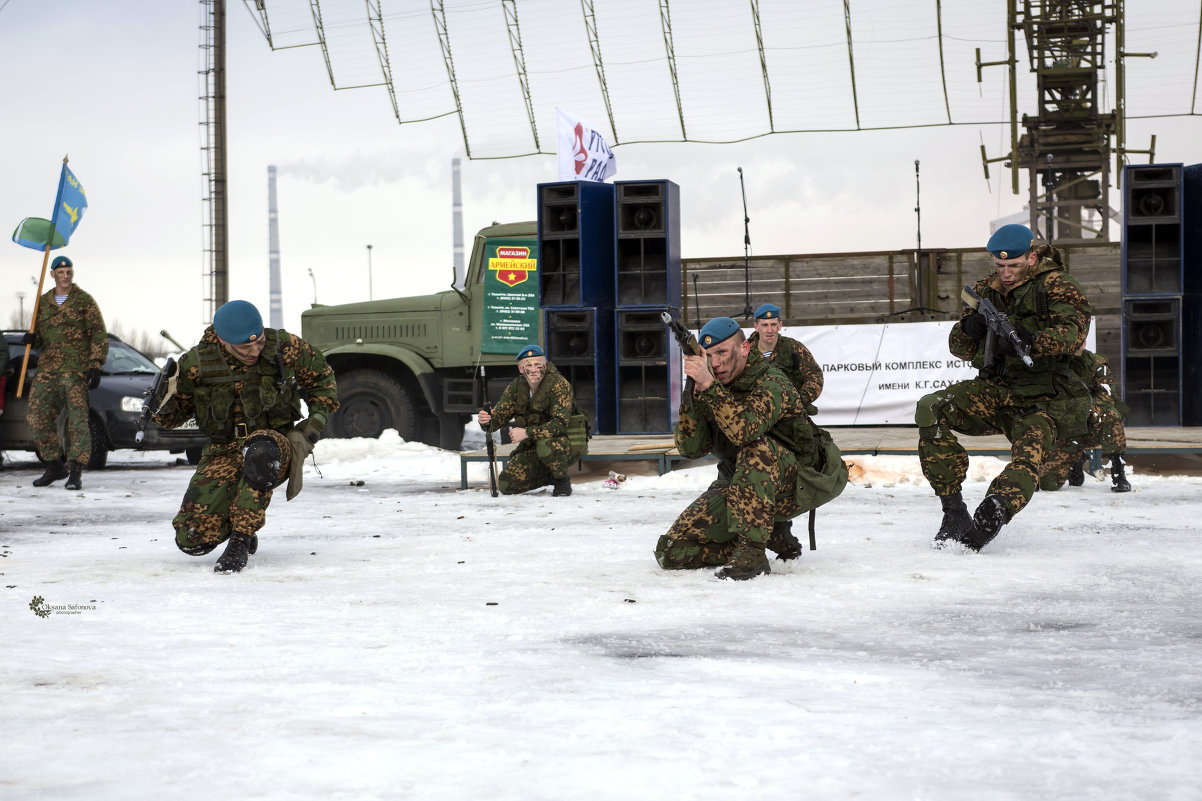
x: 1024, y: 335
x: 93, y: 378
x: 29, y: 338
x: 974, y: 325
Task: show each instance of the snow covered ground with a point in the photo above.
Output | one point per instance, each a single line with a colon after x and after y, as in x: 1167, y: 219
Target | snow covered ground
x: 397, y: 638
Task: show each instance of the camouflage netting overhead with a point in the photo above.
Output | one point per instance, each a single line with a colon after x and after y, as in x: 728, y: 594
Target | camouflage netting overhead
x: 709, y: 70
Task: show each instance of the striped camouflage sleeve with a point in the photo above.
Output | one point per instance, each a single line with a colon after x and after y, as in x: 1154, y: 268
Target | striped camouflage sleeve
x: 1070, y: 315
x: 314, y: 375
x: 747, y: 420
x: 809, y: 378
x: 694, y: 433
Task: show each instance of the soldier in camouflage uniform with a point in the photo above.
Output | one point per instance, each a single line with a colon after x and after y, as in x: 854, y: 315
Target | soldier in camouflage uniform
x: 539, y: 406
x: 69, y: 331
x: 748, y: 414
x: 787, y: 354
x: 244, y: 384
x: 1105, y: 431
x: 794, y: 360
x: 1032, y: 406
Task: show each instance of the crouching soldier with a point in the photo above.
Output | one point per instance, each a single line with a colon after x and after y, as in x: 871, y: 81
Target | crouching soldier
x: 549, y: 431
x: 773, y: 462
x: 243, y: 384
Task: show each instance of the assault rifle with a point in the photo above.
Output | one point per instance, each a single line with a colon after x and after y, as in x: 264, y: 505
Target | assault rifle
x: 688, y: 344
x: 999, y: 326
x: 153, y: 398
x: 488, y: 443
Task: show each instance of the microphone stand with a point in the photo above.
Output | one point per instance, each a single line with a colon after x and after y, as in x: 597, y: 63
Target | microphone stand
x: 746, y: 251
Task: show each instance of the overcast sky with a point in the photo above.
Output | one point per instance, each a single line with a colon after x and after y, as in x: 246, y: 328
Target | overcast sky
x: 118, y: 92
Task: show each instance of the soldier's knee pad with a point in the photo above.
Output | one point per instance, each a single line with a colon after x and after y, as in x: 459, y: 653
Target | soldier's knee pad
x: 929, y: 415
x: 265, y: 458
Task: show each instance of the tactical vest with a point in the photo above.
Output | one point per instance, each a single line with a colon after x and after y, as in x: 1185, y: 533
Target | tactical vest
x: 527, y: 415
x: 268, y: 397
x: 1054, y: 384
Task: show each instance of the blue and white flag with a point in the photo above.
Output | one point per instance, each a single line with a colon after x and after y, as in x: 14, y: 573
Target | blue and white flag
x: 583, y: 153
x: 70, y: 204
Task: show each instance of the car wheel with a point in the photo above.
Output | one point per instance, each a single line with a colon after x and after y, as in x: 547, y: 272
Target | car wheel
x: 193, y: 455
x: 371, y: 402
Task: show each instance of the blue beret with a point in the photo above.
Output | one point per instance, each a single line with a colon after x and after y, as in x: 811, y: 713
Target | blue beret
x: 768, y: 311
x: 60, y: 261
x: 529, y: 351
x: 717, y: 330
x: 238, y: 322
x: 1010, y: 241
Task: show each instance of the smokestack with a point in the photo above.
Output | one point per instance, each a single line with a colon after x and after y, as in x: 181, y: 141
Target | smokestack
x: 276, y: 313
x: 457, y: 225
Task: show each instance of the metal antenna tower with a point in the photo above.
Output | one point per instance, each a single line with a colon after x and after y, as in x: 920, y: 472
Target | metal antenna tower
x: 1066, y: 148
x: 215, y: 210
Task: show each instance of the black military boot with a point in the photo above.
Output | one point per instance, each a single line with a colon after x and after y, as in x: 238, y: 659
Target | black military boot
x: 1118, y: 478
x: 1076, y: 475
x: 73, y: 481
x: 54, y: 471
x: 562, y: 486
x: 747, y: 562
x: 236, y: 554
x: 782, y: 542
x: 956, y: 520
x: 987, y: 521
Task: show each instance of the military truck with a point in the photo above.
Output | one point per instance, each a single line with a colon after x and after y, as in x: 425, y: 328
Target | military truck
x: 410, y: 363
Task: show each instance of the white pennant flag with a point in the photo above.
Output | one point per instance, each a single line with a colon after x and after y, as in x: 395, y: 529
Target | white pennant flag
x: 583, y: 154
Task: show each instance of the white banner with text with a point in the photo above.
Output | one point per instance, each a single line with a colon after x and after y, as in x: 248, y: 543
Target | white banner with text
x: 875, y: 374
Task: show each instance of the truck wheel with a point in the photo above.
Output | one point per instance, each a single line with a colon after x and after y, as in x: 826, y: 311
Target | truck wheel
x: 371, y: 402
x: 193, y: 455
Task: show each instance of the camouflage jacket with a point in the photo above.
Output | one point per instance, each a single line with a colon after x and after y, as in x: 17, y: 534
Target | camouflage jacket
x: 304, y: 368
x: 544, y: 414
x: 1050, y: 305
x: 71, y: 337
x: 724, y: 418
x: 798, y: 364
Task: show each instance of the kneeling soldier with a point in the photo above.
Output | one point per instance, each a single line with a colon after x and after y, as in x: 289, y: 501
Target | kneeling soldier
x: 549, y: 432
x: 773, y: 462
x: 244, y: 383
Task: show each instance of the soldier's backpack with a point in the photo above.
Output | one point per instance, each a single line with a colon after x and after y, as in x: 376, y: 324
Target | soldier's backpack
x: 826, y: 478
x: 578, y: 433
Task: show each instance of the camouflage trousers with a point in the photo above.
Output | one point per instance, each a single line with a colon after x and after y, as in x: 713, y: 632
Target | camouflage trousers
x: 534, y: 464
x: 1105, y: 431
x: 218, y: 500
x: 51, y: 393
x: 741, y: 508
x: 981, y: 408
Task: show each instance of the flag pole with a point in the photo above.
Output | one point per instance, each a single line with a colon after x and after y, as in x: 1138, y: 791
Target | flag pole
x: 33, y: 317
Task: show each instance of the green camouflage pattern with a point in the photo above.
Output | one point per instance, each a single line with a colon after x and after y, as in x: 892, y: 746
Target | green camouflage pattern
x: 758, y: 429
x: 218, y: 500
x: 1033, y: 407
x: 71, y: 337
x: 49, y: 395
x: 1104, y: 430
x: 795, y: 360
x: 546, y: 453
x: 72, y: 340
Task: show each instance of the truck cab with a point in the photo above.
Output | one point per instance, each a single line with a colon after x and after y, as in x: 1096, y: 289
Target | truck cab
x: 412, y: 363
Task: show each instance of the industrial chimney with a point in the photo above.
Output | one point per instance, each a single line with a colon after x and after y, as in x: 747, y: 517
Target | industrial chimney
x: 276, y: 313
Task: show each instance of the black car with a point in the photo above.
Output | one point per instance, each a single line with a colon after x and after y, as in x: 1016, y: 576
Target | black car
x: 116, y: 406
